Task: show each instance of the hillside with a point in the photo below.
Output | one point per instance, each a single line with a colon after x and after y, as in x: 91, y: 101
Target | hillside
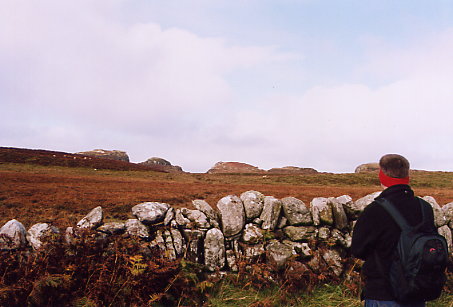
x: 56, y: 158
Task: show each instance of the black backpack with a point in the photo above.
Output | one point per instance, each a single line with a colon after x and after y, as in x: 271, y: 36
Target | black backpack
x: 417, y: 271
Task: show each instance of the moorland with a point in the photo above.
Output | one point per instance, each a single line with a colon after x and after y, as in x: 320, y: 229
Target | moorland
x: 61, y: 188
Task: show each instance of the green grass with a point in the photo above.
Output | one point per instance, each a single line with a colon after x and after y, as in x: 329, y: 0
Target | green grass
x: 323, y: 296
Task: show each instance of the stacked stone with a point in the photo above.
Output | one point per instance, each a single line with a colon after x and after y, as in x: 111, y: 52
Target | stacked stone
x: 247, y: 228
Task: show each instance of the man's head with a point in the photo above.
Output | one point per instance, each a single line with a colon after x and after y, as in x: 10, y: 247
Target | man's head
x: 394, y: 170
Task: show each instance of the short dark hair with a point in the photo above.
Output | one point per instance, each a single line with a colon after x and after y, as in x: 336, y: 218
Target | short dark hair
x: 394, y: 165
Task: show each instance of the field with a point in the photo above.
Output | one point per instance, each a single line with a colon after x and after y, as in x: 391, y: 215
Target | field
x: 57, y: 188
x: 46, y: 188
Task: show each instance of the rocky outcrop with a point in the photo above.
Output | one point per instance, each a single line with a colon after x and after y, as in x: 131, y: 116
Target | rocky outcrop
x: 292, y: 170
x: 367, y: 168
x: 234, y: 167
x: 162, y: 164
x: 106, y: 154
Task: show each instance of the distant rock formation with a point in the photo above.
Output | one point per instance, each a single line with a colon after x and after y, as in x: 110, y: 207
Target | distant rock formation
x: 234, y: 167
x: 367, y: 168
x: 163, y: 164
x: 292, y: 170
x: 106, y: 154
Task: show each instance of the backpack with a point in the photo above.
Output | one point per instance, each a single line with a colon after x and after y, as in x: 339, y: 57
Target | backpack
x: 417, y: 271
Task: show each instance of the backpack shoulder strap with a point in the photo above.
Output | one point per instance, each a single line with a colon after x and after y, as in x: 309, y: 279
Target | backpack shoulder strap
x: 394, y: 213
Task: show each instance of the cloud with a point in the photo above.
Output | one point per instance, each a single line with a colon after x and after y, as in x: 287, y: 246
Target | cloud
x: 75, y: 65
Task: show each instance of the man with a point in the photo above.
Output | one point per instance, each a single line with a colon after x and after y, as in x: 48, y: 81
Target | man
x: 376, y: 233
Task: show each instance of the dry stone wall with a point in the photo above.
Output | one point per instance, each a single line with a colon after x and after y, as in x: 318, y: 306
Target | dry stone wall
x: 248, y: 227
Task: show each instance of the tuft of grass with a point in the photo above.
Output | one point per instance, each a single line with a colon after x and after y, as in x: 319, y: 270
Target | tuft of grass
x: 326, y: 295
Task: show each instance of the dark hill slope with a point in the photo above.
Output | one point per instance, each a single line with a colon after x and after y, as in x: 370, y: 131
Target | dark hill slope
x: 56, y: 158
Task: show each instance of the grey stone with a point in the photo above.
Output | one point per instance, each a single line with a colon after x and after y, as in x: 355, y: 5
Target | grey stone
x: 300, y: 233
x: 178, y: 241
x: 271, y: 212
x: 253, y: 204
x: 92, y: 220
x: 39, y: 232
x: 150, y: 212
x: 278, y: 253
x: 159, y: 242
x: 439, y: 217
x: 446, y: 232
x: 333, y: 260
x: 197, y: 218
x: 360, y: 204
x: 113, y: 228
x: 300, y: 249
x: 13, y: 235
x: 321, y: 210
x: 135, y: 228
x: 296, y: 212
x: 180, y: 219
x: 323, y: 233
x: 232, y: 215
x: 170, y: 251
x: 448, y: 213
x: 252, y: 234
x: 214, y: 249
x: 169, y: 216
x: 339, y: 214
x: 211, y: 214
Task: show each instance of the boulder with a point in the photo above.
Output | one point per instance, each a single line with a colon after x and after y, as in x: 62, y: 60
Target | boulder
x: 300, y: 249
x: 169, y: 216
x: 253, y: 204
x: 13, y: 235
x: 234, y: 167
x: 271, y: 213
x: 252, y: 234
x: 300, y: 233
x: 333, y: 260
x: 292, y: 170
x: 367, y: 168
x: 38, y: 232
x: 321, y: 211
x: 106, y: 154
x: 354, y: 209
x: 159, y: 242
x: 446, y: 232
x: 214, y: 249
x: 448, y: 213
x: 323, y: 233
x: 439, y: 217
x: 232, y: 215
x: 197, y: 218
x: 178, y: 241
x: 92, y: 220
x: 150, y: 212
x: 278, y: 253
x: 296, y: 211
x: 211, y: 214
x: 113, y: 228
x: 339, y: 215
x: 135, y: 228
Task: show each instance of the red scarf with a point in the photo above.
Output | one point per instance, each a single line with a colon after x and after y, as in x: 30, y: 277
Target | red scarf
x: 389, y: 181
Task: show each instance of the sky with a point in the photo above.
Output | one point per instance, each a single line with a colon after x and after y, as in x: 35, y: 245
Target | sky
x: 325, y: 84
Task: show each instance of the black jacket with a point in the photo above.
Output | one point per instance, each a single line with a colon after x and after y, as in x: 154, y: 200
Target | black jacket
x: 376, y: 234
